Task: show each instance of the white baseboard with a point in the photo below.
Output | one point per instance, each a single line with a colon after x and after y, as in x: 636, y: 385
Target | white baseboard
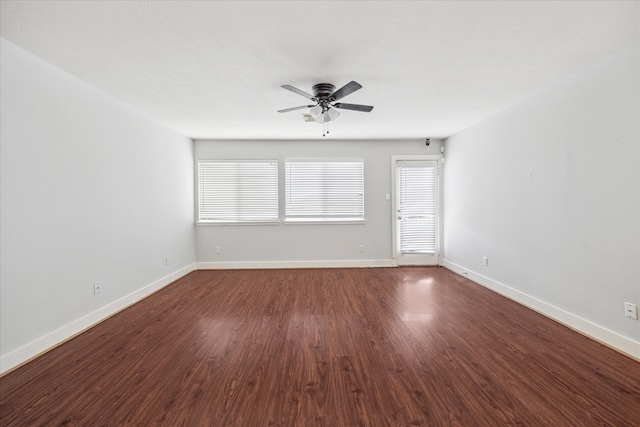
x: 296, y: 264
x: 32, y: 350
x: 45, y: 343
x: 599, y: 333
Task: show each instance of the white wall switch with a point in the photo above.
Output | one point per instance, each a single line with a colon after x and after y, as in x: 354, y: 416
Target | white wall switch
x: 97, y: 288
x: 630, y: 311
x: 485, y: 261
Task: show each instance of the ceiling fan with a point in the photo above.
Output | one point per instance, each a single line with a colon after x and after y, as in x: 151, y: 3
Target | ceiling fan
x: 325, y: 96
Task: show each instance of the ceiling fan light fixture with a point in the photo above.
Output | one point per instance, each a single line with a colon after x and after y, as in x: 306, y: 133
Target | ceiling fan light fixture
x: 323, y: 115
x: 333, y: 114
x: 316, y: 113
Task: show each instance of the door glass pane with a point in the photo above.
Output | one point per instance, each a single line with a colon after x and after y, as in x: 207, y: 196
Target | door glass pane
x: 418, y: 208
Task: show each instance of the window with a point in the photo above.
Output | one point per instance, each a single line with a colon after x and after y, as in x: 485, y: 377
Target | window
x: 324, y: 191
x: 238, y: 191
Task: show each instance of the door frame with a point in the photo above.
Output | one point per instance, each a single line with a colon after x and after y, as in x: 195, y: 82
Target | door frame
x: 394, y: 223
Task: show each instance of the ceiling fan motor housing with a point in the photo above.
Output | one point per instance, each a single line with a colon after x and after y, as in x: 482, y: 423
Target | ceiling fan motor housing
x: 322, y: 91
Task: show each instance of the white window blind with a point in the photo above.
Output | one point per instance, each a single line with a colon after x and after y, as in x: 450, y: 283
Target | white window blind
x: 324, y: 190
x: 237, y: 191
x: 418, y: 207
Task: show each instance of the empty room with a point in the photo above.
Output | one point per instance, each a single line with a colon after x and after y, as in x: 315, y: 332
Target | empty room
x: 319, y: 213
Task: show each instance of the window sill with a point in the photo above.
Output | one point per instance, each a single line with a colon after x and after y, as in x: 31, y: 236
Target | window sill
x: 206, y: 223
x: 324, y: 221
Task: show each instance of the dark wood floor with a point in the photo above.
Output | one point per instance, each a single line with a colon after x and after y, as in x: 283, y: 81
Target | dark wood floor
x: 327, y: 347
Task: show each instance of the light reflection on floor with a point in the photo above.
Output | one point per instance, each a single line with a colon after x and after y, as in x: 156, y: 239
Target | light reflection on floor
x: 415, y: 300
x: 219, y: 334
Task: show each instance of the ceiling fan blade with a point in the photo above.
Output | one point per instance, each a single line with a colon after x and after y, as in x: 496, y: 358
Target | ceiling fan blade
x: 354, y: 107
x: 345, y: 90
x: 298, y: 91
x: 286, y: 110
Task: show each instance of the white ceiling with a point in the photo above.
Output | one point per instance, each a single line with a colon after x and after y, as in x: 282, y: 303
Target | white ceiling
x: 213, y: 69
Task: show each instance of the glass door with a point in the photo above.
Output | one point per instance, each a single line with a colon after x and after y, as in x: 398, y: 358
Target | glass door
x: 416, y: 205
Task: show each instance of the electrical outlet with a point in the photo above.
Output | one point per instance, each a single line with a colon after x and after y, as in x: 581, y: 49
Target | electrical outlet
x: 630, y: 311
x: 218, y: 250
x: 361, y: 248
x: 485, y: 261
x: 97, y: 288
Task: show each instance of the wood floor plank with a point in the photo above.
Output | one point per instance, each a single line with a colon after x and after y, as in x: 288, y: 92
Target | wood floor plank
x: 325, y: 347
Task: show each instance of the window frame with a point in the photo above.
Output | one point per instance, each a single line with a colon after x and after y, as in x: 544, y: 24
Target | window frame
x: 291, y: 219
x: 230, y: 221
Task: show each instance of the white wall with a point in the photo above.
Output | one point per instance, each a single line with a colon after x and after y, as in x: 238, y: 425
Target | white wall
x: 549, y: 191
x: 92, y: 190
x: 309, y: 245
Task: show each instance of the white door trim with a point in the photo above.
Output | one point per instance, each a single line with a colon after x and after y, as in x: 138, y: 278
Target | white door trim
x: 394, y: 209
